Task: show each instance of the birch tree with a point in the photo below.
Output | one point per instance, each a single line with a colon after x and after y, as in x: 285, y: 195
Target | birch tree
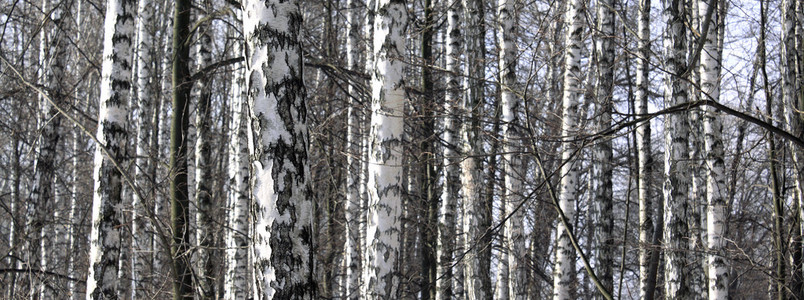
x: 353, y: 212
x: 452, y: 187
x: 145, y: 101
x: 513, y: 163
x: 102, y: 282
x: 44, y: 197
x: 179, y: 191
x: 648, y: 232
x: 713, y: 143
x: 282, y: 205
x: 563, y: 271
x: 601, y: 166
x: 477, y: 283
x: 385, y: 151
x: 204, y: 217
x: 676, y: 181
x: 236, y: 284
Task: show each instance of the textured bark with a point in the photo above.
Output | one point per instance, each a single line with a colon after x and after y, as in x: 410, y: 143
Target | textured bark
x: 145, y: 96
x: 677, y: 181
x: 563, y: 271
x: 602, y: 163
x: 282, y: 205
x: 236, y: 284
x: 477, y: 283
x: 179, y: 192
x: 513, y: 164
x: 792, y: 107
x: 427, y: 174
x: 648, y: 251
x: 105, y: 244
x: 715, y: 166
x: 204, y: 214
x: 45, y: 231
x: 353, y: 211
x: 452, y: 187
x: 384, y: 171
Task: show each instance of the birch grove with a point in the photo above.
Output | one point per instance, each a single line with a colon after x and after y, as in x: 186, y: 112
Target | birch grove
x: 390, y: 149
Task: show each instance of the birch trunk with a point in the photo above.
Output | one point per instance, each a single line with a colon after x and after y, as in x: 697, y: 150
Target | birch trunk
x: 205, y: 223
x: 452, y: 187
x: 514, y: 237
x: 477, y: 284
x: 563, y: 271
x: 44, y: 197
x: 792, y: 105
x: 145, y: 98
x: 236, y: 278
x: 602, y: 163
x: 384, y: 171
x: 102, y: 282
x: 713, y: 143
x: 353, y: 212
x: 648, y: 259
x: 179, y: 190
x: 677, y: 182
x: 281, y: 191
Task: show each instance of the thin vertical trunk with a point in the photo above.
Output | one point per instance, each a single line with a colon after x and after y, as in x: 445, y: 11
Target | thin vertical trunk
x: 385, y: 172
x: 352, y: 249
x: 204, y: 214
x: 105, y: 244
x: 236, y: 277
x: 677, y: 181
x: 477, y: 283
x: 282, y: 205
x: 563, y: 281
x: 513, y: 164
x: 145, y: 97
x: 794, y: 125
x: 602, y: 152
x: 648, y: 236
x: 715, y: 166
x: 179, y: 197
x: 451, y: 189
x: 427, y: 176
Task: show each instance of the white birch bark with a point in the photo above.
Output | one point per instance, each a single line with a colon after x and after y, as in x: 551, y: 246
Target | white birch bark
x: 204, y: 233
x: 141, y: 236
x: 565, y: 254
x: 102, y: 282
x: 452, y: 185
x: 715, y: 168
x: 278, y: 139
x: 645, y: 159
x: 384, y: 171
x: 353, y: 211
x: 676, y: 168
x: 236, y: 277
x: 602, y: 163
x: 472, y: 146
x: 514, y: 238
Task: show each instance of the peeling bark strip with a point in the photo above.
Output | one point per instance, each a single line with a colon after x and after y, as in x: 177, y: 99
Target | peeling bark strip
x: 380, y: 274
x: 278, y: 139
x: 677, y: 181
x: 102, y: 282
x: 563, y: 274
